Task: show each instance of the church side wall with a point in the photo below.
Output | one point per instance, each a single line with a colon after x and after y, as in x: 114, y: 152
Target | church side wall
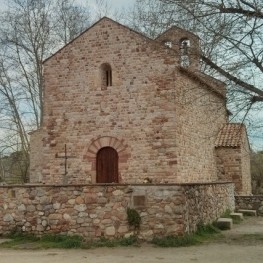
x: 200, y: 114
x: 95, y: 211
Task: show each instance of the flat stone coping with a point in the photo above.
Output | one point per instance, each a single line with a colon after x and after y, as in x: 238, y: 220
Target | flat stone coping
x: 248, y: 212
x: 225, y: 223
x: 113, y: 184
x: 237, y: 215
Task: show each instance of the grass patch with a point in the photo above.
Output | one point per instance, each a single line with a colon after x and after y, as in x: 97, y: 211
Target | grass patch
x: 203, y: 233
x: 175, y: 241
x: 30, y: 241
x: 61, y: 241
x: 227, y: 213
x: 124, y: 242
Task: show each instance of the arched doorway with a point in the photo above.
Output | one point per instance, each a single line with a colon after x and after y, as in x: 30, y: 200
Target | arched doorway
x: 107, y: 165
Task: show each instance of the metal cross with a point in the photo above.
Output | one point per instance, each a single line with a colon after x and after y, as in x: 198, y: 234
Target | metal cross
x: 65, y: 157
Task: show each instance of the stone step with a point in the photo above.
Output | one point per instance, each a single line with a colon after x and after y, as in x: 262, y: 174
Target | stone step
x: 247, y: 212
x: 237, y: 216
x: 224, y: 223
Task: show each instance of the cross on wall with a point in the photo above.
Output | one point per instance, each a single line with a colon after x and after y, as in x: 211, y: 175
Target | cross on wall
x: 65, y: 157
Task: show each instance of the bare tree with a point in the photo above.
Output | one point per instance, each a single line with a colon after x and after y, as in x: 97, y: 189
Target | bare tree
x: 103, y: 8
x: 30, y: 31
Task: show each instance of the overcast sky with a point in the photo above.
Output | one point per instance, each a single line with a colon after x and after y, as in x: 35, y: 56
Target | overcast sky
x: 114, y: 3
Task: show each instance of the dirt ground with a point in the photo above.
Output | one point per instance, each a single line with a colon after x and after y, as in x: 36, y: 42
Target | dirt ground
x: 241, y: 244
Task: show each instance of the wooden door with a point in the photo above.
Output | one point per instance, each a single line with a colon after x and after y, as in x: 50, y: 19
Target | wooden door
x: 107, y: 165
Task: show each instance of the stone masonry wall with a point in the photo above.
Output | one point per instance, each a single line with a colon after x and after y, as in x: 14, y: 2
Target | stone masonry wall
x: 254, y: 202
x: 229, y: 165
x: 234, y: 165
x: 245, y: 167
x: 200, y: 114
x: 36, y: 154
x: 158, y: 120
x: 100, y: 210
x: 206, y: 202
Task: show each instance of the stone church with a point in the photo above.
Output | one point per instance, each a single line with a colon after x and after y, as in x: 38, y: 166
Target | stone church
x: 123, y: 108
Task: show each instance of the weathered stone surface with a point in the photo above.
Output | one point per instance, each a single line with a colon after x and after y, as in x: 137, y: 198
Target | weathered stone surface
x: 71, y: 201
x: 117, y: 192
x: 21, y: 207
x: 168, y: 209
x: 40, y: 228
x: 56, y: 205
x: 55, y: 216
x: 79, y: 200
x: 8, y: 218
x: 123, y: 229
x: 80, y: 208
x: 110, y: 231
x: 44, y: 223
x: 66, y: 216
x: 83, y: 214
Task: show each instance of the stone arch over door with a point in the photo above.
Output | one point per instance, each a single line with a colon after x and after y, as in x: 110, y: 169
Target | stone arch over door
x: 118, y: 145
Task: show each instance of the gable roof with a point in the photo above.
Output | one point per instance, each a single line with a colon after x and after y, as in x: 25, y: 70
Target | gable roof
x: 230, y: 135
x: 177, y: 28
x: 99, y: 21
x: 219, y: 90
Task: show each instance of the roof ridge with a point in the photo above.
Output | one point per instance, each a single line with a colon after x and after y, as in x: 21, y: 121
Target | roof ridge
x: 93, y: 25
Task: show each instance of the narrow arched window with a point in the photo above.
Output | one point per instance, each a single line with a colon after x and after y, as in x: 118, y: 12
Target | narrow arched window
x: 106, y: 76
x: 184, y: 50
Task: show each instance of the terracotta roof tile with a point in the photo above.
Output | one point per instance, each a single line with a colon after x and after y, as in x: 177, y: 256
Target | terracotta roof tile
x: 230, y: 135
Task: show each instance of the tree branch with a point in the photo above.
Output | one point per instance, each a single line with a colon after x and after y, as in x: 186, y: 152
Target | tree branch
x: 251, y: 88
x: 248, y: 13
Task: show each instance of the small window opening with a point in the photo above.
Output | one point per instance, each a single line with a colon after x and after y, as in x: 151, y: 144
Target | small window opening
x: 168, y: 44
x: 106, y: 76
x: 184, y: 48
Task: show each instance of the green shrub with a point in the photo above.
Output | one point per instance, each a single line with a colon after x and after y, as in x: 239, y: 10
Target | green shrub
x: 208, y: 229
x: 128, y: 241
x: 104, y: 242
x: 18, y: 235
x: 227, y: 213
x: 175, y: 241
x: 61, y: 241
x: 203, y: 233
x: 134, y: 218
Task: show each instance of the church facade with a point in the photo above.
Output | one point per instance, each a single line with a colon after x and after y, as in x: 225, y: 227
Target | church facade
x: 122, y: 108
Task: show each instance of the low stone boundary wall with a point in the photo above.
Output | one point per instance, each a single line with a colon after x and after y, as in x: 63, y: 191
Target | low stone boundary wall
x: 254, y: 202
x: 101, y: 210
